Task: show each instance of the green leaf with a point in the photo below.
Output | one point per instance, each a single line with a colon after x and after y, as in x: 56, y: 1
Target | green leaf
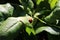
x: 48, y: 29
x: 38, y: 1
x: 53, y: 3
x: 40, y: 29
x: 7, y: 9
x: 25, y: 20
x: 11, y: 25
x: 37, y: 14
x: 1, y: 17
x: 33, y: 31
x: 31, y: 4
x: 58, y: 3
x: 14, y: 23
x: 54, y: 16
x: 27, y: 3
x: 28, y: 30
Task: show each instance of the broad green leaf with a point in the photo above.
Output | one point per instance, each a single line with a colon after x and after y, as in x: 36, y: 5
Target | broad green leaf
x: 53, y: 3
x: 54, y: 16
x: 38, y: 1
x: 49, y: 19
x: 48, y: 29
x: 33, y: 31
x: 12, y: 22
x: 10, y: 25
x: 7, y: 9
x: 28, y: 30
x: 13, y: 31
x: 52, y: 31
x: 9, y: 29
x: 40, y: 29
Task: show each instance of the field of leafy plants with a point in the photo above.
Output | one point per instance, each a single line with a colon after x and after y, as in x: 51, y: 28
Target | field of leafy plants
x: 30, y: 20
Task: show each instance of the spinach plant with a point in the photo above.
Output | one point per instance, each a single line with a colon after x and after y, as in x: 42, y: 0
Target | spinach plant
x: 31, y: 16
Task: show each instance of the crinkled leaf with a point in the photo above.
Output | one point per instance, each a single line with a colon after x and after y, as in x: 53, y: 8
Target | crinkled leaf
x: 48, y: 29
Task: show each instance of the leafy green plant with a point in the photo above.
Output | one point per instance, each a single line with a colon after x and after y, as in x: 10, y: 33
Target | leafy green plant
x: 34, y: 16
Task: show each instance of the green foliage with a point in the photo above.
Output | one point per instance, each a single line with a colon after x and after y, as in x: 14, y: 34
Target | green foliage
x: 44, y: 16
x: 30, y: 30
x: 6, y: 10
x: 27, y: 3
x: 38, y: 1
x: 48, y: 29
x: 52, y: 3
